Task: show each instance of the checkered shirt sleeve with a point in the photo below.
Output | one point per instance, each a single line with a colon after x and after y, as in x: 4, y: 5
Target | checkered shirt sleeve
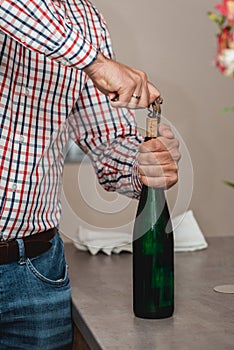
x: 42, y: 26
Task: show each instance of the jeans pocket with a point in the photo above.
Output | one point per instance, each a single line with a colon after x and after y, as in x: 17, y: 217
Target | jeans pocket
x: 58, y: 282
x: 50, y: 267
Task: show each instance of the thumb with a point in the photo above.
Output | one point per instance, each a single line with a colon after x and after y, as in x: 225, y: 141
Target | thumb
x: 153, y: 91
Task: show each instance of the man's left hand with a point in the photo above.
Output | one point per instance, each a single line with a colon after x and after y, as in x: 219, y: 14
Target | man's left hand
x: 158, y: 159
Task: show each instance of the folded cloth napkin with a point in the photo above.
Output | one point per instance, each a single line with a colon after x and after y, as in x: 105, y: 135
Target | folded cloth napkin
x: 106, y: 241
x: 187, y: 237
x: 187, y: 234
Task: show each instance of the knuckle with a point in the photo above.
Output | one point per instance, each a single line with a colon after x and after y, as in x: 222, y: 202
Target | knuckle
x: 174, y: 167
x: 171, y: 181
x: 144, y: 76
x: 178, y: 156
x: 177, y: 143
x: 174, y: 179
x: 131, y: 83
x: 168, y: 183
x: 175, y: 154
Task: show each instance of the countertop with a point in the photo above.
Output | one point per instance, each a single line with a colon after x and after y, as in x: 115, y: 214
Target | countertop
x: 203, y: 319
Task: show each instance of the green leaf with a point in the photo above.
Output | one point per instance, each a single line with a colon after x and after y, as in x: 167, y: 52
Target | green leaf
x: 228, y: 109
x: 212, y: 16
x: 231, y: 184
x: 222, y: 19
x: 219, y: 19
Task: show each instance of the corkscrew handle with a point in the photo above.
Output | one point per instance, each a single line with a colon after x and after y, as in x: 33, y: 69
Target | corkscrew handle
x: 153, y: 119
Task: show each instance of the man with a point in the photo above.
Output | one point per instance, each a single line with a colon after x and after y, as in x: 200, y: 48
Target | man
x: 59, y: 80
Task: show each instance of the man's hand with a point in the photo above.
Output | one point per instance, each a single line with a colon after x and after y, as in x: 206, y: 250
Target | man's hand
x: 158, y: 159
x: 125, y: 86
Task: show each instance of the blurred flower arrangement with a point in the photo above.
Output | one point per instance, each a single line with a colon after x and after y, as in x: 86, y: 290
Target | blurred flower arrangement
x: 225, y: 37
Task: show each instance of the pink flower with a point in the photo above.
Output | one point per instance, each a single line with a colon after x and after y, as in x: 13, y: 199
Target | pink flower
x: 222, y: 8
x: 225, y: 39
x: 222, y: 41
x: 226, y: 8
x: 230, y: 8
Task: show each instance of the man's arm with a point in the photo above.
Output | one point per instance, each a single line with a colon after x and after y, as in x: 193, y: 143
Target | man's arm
x: 122, y: 161
x: 41, y: 26
x: 109, y: 136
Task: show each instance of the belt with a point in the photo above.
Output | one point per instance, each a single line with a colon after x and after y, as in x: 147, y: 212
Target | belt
x: 34, y: 245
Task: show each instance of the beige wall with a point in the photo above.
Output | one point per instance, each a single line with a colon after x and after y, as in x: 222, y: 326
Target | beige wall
x: 174, y: 42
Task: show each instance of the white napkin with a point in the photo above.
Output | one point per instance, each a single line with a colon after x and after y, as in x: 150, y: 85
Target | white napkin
x: 187, y: 234
x: 187, y: 237
x: 106, y: 241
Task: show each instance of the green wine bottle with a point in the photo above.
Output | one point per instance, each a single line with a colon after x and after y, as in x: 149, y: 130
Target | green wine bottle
x: 153, y: 246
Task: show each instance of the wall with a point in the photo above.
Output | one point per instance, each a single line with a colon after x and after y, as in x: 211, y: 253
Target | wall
x: 174, y: 42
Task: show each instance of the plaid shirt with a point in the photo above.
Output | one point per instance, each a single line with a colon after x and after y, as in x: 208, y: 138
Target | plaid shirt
x: 45, y: 99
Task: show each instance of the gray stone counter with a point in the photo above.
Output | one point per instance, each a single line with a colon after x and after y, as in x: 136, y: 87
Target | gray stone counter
x: 203, y: 319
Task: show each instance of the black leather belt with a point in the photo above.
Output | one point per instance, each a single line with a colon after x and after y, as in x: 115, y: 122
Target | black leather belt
x: 34, y: 245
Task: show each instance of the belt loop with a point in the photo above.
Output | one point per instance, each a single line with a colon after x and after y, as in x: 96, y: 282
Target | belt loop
x: 21, y: 247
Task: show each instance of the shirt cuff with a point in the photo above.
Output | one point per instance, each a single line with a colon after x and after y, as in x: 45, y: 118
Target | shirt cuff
x: 137, y: 185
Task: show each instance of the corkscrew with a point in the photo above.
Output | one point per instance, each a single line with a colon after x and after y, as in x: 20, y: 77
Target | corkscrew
x: 153, y: 118
x: 155, y: 112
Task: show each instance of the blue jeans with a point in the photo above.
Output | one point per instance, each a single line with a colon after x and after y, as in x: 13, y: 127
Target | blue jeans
x: 35, y: 301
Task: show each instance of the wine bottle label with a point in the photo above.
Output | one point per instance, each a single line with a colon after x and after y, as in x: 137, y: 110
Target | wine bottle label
x: 151, y: 127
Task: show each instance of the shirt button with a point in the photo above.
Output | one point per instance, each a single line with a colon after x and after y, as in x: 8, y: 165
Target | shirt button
x: 14, y: 186
x: 27, y: 91
x: 21, y: 140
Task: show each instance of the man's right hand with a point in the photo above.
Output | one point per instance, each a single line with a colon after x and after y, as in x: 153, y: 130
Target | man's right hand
x: 121, y: 83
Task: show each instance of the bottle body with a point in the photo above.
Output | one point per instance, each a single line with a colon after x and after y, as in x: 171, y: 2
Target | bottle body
x: 153, y: 257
